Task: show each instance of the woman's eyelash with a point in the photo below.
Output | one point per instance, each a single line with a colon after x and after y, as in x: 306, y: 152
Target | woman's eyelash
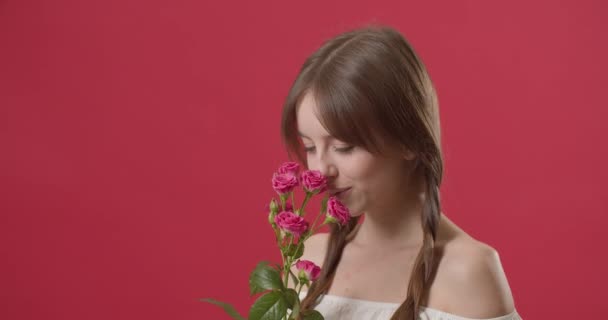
x: 345, y: 150
x: 342, y: 150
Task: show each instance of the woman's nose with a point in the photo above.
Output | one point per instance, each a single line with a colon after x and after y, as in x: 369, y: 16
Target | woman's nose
x: 327, y: 168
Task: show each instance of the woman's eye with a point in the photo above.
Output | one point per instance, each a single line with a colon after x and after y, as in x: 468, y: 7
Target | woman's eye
x: 341, y: 150
x: 345, y: 150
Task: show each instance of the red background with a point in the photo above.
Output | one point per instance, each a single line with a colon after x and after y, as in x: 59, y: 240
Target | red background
x: 138, y: 139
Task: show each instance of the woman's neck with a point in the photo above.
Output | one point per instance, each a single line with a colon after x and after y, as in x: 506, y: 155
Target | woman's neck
x: 395, y: 225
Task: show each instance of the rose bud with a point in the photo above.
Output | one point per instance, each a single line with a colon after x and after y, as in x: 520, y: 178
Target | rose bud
x: 307, y: 271
x: 336, y: 212
x: 273, y: 207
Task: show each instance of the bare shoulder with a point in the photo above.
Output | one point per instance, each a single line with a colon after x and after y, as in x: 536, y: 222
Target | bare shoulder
x: 314, y: 250
x: 472, y: 279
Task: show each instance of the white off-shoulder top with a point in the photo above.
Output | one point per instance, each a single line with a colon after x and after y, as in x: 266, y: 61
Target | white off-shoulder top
x: 342, y: 308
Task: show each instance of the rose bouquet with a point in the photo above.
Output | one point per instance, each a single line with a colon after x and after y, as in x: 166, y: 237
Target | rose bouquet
x: 279, y: 301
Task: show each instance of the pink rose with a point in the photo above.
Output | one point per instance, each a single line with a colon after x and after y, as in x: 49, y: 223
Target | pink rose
x: 308, y: 269
x: 284, y: 183
x: 291, y: 223
x: 336, y: 211
x: 290, y: 167
x: 314, y: 181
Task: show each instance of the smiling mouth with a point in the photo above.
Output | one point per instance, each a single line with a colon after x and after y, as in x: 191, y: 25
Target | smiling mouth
x: 338, y: 193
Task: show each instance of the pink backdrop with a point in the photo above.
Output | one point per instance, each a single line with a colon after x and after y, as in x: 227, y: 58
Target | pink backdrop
x: 138, y: 139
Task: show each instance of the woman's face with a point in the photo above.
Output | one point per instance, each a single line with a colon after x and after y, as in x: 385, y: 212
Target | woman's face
x: 375, y: 182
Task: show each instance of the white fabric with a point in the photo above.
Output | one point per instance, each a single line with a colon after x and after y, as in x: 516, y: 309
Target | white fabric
x: 342, y: 308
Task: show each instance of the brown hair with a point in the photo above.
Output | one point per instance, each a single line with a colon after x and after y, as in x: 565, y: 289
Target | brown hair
x: 373, y: 91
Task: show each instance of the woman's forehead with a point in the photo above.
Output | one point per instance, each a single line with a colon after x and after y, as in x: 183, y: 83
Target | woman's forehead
x: 307, y: 121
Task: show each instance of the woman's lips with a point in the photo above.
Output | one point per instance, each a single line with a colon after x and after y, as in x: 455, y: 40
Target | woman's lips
x: 342, y: 193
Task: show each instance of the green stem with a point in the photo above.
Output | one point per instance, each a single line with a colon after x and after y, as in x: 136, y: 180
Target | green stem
x: 313, y: 223
x: 279, y: 243
x: 277, y: 234
x: 290, y: 242
x: 286, y: 271
x: 287, y: 266
x: 308, y: 196
x: 283, y: 196
x: 317, y: 229
x: 282, y: 255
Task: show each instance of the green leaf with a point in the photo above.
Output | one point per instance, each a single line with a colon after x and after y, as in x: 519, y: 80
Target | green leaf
x: 312, y: 315
x: 230, y: 310
x: 299, y: 253
x: 270, y: 306
x: 293, y: 302
x: 295, y: 251
x: 294, y: 278
x: 264, y: 277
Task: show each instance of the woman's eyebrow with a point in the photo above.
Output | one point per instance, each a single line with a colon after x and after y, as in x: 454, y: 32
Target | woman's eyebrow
x: 323, y: 136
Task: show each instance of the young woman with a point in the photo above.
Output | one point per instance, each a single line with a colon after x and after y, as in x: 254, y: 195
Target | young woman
x: 364, y: 112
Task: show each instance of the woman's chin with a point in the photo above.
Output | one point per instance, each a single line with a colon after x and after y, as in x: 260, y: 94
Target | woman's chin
x: 355, y: 213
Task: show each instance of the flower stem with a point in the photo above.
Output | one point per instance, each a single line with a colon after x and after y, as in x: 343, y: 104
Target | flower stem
x: 319, y: 227
x: 287, y: 266
x: 286, y: 272
x: 308, y: 196
x: 313, y: 223
x: 283, y: 196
